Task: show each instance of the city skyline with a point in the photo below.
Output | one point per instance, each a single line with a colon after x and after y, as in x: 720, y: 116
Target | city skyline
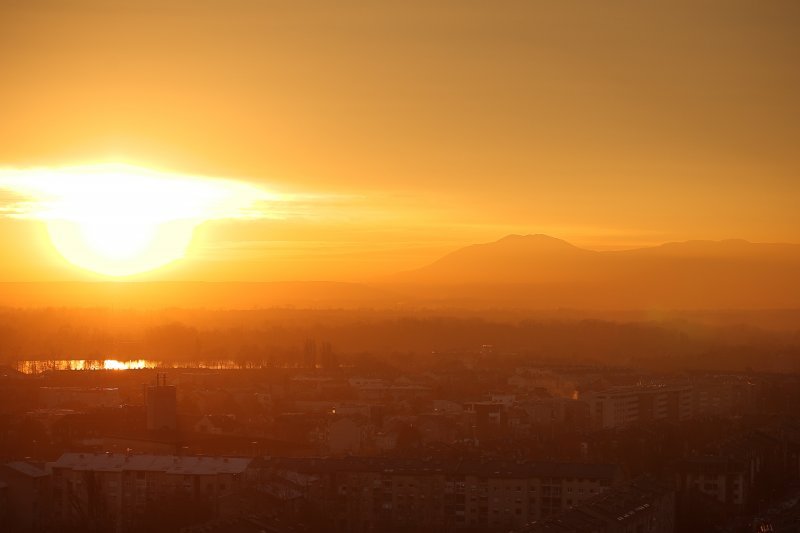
x: 465, y: 266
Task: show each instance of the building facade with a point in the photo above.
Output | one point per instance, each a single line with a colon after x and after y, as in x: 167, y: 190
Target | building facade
x: 106, y: 488
x: 618, y: 407
x: 378, y: 494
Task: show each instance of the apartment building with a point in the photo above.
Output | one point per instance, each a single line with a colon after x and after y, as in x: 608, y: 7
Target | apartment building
x: 370, y: 494
x: 118, y: 487
x: 641, y: 506
x: 621, y: 406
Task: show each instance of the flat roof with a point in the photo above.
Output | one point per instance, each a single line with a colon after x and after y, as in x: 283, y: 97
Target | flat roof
x: 26, y: 469
x: 170, y: 464
x: 489, y: 469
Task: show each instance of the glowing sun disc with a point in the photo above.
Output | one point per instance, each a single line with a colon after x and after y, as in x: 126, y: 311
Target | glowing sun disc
x: 119, y: 220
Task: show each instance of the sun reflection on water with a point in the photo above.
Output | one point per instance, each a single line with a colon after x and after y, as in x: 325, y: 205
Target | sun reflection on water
x: 113, y: 364
x: 39, y: 366
x: 36, y: 367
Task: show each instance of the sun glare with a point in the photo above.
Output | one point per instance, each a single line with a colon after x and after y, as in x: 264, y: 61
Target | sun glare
x: 120, y: 220
x: 114, y: 364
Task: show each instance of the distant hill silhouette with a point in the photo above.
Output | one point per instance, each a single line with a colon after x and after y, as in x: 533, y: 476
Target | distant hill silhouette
x: 517, y: 272
x: 539, y: 271
x: 512, y: 259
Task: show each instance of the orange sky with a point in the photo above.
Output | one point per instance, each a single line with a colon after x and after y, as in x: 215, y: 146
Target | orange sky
x: 412, y: 129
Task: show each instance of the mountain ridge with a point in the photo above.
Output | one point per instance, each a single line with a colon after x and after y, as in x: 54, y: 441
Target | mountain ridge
x: 532, y: 272
x: 542, y: 272
x: 539, y: 244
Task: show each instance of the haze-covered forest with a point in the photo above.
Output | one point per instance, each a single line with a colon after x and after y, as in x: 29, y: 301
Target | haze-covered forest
x: 277, y: 337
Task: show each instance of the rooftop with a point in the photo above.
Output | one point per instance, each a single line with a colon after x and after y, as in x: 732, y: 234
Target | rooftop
x: 614, y: 506
x: 26, y: 469
x: 489, y: 469
x: 170, y: 464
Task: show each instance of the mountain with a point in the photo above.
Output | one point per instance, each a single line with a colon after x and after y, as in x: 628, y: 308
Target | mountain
x: 512, y: 259
x: 544, y: 272
x: 519, y: 273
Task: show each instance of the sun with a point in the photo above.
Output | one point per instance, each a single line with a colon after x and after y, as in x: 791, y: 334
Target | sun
x: 120, y: 220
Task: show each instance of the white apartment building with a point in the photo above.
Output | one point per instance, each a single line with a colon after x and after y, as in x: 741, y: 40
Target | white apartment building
x: 620, y: 406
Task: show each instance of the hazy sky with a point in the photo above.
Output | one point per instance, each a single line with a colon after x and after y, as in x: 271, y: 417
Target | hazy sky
x: 416, y: 127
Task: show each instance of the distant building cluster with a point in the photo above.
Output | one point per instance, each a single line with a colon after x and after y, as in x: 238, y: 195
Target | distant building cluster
x: 561, y: 448
x: 640, y: 506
